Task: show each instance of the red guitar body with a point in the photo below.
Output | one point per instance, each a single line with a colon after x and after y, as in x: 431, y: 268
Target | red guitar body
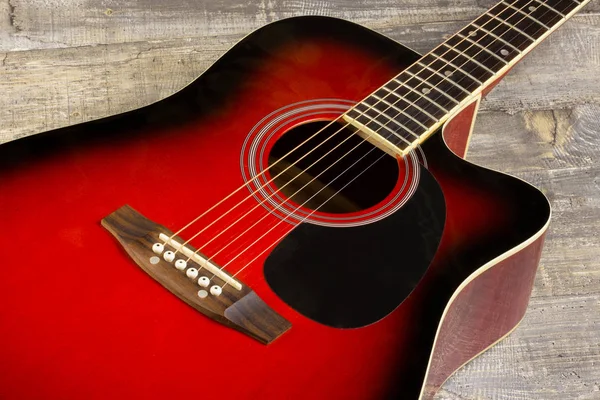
x: 80, y: 320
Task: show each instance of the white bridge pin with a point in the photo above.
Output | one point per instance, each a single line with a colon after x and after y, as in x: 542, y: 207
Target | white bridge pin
x: 180, y: 264
x: 158, y: 248
x: 203, y: 281
x: 216, y: 290
x: 192, y: 273
x: 169, y: 256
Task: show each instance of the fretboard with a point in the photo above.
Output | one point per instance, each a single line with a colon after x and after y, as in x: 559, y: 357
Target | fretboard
x: 410, y: 107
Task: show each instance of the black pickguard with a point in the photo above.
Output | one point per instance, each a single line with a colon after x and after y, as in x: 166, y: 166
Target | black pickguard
x: 352, y: 277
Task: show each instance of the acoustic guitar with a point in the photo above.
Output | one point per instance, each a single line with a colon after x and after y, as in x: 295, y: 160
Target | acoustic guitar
x: 297, y: 223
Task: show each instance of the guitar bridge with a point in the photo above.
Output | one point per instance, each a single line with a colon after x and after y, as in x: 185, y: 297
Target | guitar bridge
x: 219, y: 297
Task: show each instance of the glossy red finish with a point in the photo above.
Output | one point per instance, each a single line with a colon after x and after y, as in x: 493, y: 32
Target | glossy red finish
x: 80, y: 320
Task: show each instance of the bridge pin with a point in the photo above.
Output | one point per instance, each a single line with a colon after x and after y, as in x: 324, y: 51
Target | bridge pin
x: 180, y: 264
x: 202, y: 293
x: 169, y: 256
x: 216, y: 290
x: 203, y: 281
x: 158, y: 248
x: 192, y: 273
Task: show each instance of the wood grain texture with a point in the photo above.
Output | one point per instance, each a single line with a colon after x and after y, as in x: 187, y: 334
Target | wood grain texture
x: 67, y: 61
x: 85, y: 64
x: 457, y: 131
x: 487, y: 309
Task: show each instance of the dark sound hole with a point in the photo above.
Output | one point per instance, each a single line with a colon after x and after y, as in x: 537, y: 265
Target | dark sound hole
x: 349, y: 174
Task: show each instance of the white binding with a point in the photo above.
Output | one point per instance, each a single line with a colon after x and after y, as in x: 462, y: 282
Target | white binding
x: 483, y: 268
x: 509, y: 253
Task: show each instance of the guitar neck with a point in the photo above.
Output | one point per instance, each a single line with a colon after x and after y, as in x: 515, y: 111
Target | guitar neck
x: 410, y: 107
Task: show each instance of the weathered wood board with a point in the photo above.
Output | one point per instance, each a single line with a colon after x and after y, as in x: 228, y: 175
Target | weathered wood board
x: 64, y: 62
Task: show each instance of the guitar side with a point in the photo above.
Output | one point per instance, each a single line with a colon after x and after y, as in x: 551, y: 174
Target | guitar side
x: 490, y: 303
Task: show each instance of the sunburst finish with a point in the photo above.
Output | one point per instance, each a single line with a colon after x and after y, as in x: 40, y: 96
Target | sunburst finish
x: 81, y: 321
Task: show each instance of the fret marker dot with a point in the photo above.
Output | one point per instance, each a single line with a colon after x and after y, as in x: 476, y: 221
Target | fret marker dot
x: 426, y: 91
x: 448, y: 73
x: 532, y: 8
x: 504, y: 52
x: 473, y: 33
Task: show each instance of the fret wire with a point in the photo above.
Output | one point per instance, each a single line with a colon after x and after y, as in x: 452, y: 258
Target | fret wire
x: 482, y: 47
x: 360, y: 118
x: 434, y: 86
x: 411, y: 103
x: 244, y: 250
x: 384, y: 126
x: 506, y: 23
x: 401, y: 111
x: 525, y: 14
x: 422, y: 95
x: 391, y: 119
x: 465, y: 62
x: 571, y: 6
x: 462, y: 71
x: 511, y: 26
x: 496, y: 36
x: 551, y: 8
x: 515, y: 28
x: 442, y: 76
x: 401, y: 125
x: 409, y: 87
x: 549, y: 15
x: 527, y: 24
x: 521, y: 42
x: 470, y: 58
x: 493, y: 45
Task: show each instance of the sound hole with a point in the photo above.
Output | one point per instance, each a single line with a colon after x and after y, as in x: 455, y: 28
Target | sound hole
x: 334, y: 172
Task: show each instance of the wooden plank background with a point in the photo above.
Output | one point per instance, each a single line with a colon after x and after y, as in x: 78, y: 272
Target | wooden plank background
x: 64, y: 62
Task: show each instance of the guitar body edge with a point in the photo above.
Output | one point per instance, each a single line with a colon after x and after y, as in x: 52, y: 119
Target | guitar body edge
x: 501, y: 287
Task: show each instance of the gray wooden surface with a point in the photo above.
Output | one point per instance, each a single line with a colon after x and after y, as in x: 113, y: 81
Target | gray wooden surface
x: 67, y: 61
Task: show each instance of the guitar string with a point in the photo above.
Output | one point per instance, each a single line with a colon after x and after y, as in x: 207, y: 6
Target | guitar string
x: 313, y: 211
x: 290, y: 152
x: 314, y: 163
x: 185, y: 227
x: 292, y: 196
x: 280, y: 238
x: 276, y: 208
x: 214, y: 255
